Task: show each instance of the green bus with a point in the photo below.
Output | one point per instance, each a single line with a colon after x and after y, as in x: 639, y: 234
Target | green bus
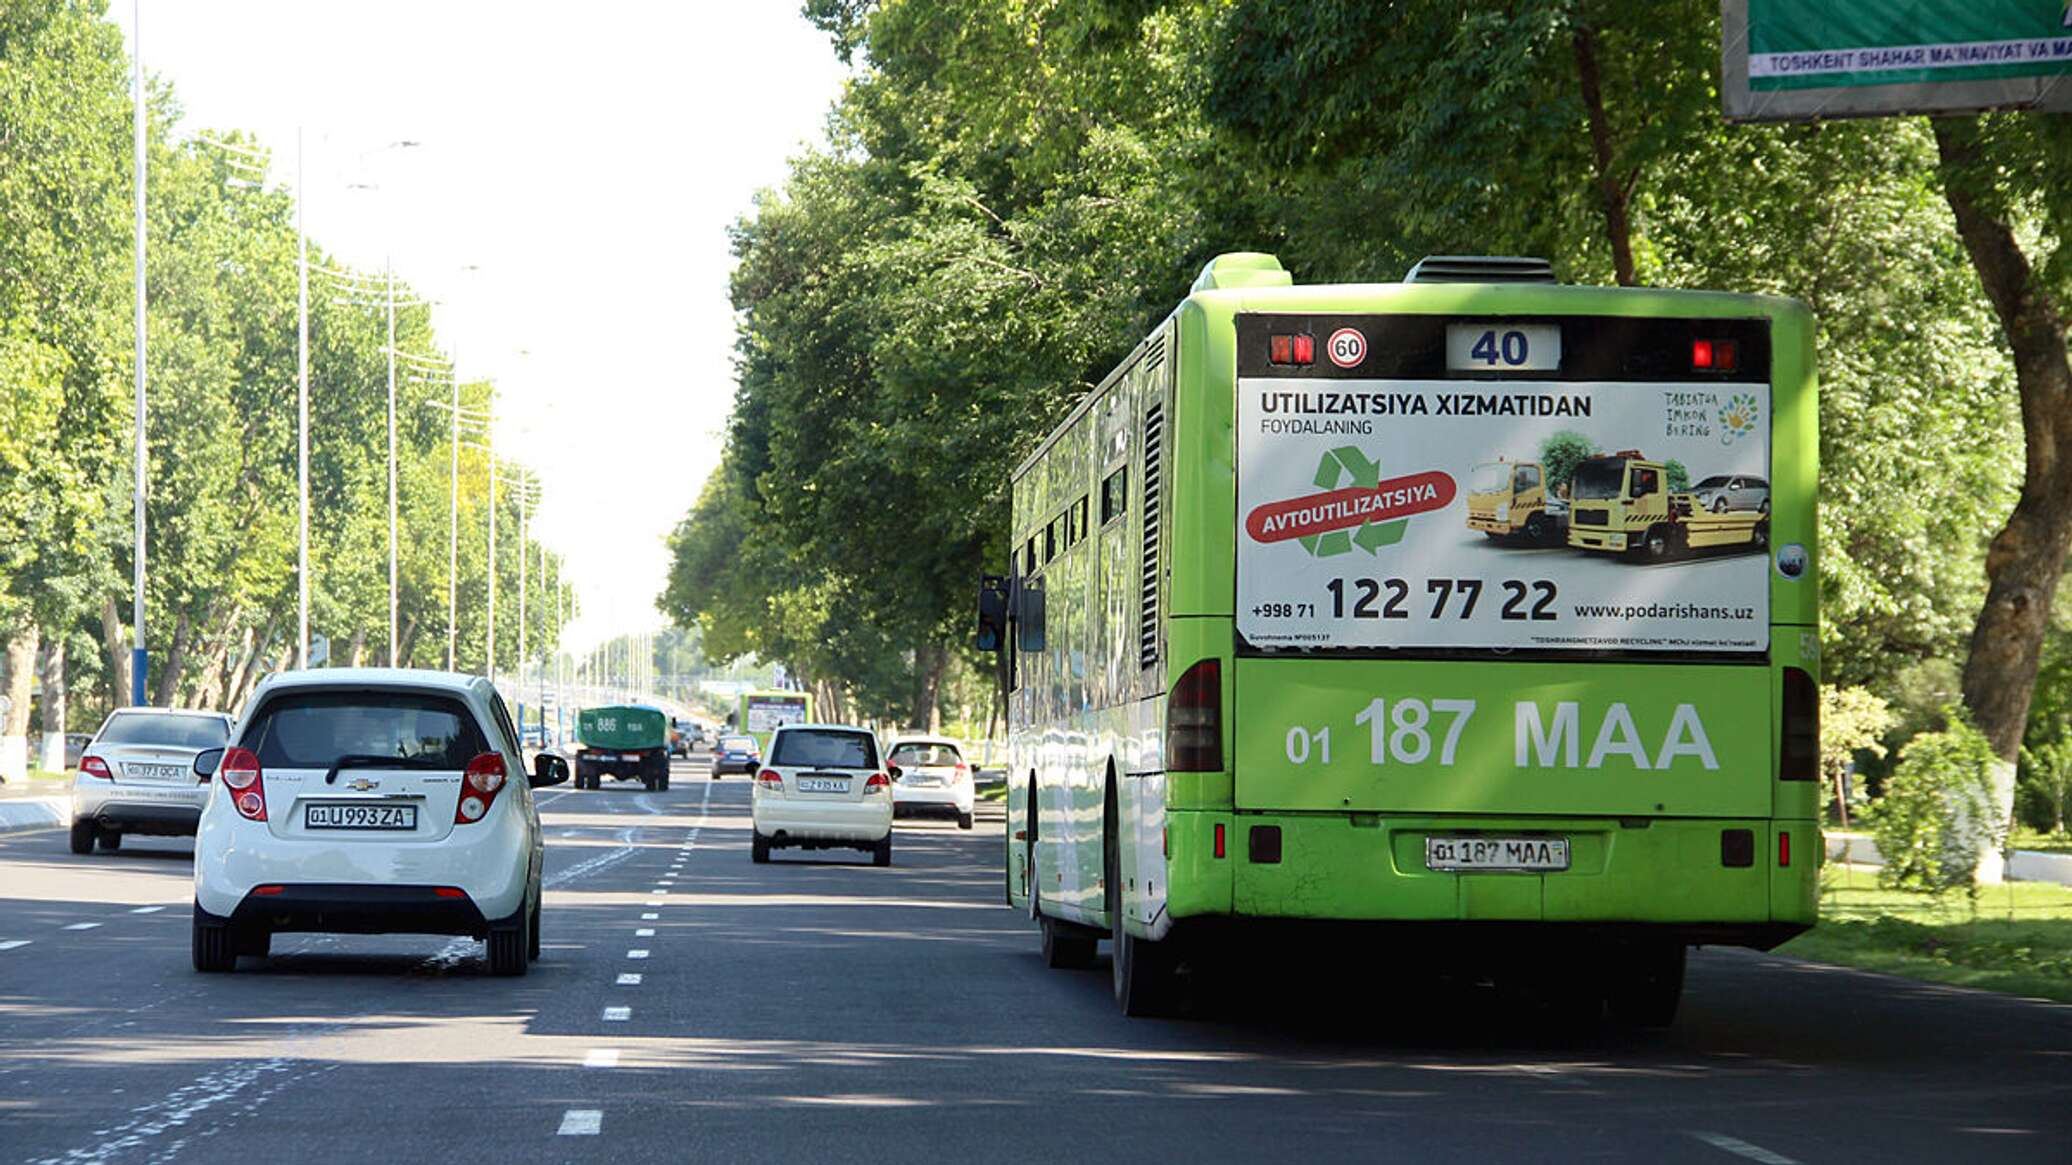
x: 1263, y: 677
x: 761, y: 713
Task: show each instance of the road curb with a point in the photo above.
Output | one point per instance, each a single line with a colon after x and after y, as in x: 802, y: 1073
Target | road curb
x: 18, y: 813
x: 2022, y: 865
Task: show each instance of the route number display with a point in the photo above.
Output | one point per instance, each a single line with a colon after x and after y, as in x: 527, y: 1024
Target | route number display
x: 1503, y: 348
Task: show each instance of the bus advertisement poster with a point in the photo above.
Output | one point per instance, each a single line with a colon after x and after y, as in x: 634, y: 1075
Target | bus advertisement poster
x: 1515, y: 515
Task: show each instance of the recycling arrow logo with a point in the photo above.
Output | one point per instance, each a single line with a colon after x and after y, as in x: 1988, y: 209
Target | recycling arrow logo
x: 1345, y: 467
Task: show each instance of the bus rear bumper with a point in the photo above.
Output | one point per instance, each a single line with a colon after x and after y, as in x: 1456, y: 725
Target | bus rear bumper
x: 1671, y: 875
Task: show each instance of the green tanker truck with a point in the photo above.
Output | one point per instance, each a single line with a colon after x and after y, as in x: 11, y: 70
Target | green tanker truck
x: 626, y: 742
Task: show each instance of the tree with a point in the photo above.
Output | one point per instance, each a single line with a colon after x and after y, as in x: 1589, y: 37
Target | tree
x: 1936, y: 816
x: 2050, y: 778
x: 1561, y: 453
x: 1852, y: 720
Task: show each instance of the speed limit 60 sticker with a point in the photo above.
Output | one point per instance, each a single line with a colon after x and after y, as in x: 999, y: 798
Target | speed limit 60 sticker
x: 1347, y: 347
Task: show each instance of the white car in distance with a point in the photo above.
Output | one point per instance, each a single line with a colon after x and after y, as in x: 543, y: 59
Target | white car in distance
x: 929, y: 775
x: 371, y: 801
x: 822, y: 786
x: 137, y: 775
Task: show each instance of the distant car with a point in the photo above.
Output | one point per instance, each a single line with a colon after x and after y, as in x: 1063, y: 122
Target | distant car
x: 680, y: 738
x: 822, y: 787
x: 371, y: 801
x: 136, y: 775
x: 75, y: 747
x: 1723, y: 493
x: 929, y: 776
x: 736, y: 754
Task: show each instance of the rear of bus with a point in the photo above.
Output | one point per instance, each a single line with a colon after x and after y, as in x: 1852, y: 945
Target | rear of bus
x: 1516, y: 748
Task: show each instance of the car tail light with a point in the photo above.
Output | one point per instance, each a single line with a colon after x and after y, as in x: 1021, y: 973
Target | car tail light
x: 770, y: 781
x: 1194, y: 720
x: 877, y: 783
x: 1798, y: 744
x: 479, y: 785
x: 963, y: 771
x: 449, y: 892
x: 94, y: 766
x: 247, y: 784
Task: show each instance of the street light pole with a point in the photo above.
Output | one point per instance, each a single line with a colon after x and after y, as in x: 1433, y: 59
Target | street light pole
x: 140, y: 117
x: 492, y: 552
x: 301, y: 414
x: 389, y: 270
x: 453, y: 538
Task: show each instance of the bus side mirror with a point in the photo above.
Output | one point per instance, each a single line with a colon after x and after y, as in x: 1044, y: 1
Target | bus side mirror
x: 1028, y: 618
x: 992, y: 613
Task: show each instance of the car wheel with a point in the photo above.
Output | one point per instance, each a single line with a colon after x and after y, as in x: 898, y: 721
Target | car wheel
x: 1719, y: 504
x: 1764, y: 508
x: 665, y: 782
x: 758, y: 848
x: 881, y: 853
x: 532, y: 933
x: 110, y: 841
x: 215, y: 950
x: 1649, y: 986
x: 964, y: 821
x: 82, y: 837
x: 509, y: 943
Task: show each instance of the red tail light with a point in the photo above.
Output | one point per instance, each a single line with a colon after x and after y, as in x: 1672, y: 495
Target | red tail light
x: 1798, y: 742
x: 247, y: 784
x: 1194, y: 721
x: 94, y: 766
x: 449, y: 892
x: 877, y: 783
x: 479, y: 785
x: 770, y: 781
x: 1219, y: 839
x: 1783, y: 848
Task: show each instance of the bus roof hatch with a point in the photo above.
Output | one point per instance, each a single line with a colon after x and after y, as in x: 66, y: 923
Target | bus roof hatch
x: 1480, y: 269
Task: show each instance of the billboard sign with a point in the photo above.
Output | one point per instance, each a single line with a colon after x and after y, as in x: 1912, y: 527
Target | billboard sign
x: 1796, y: 59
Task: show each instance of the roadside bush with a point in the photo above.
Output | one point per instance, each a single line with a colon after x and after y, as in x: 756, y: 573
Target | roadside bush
x: 2043, y: 799
x: 1936, y: 816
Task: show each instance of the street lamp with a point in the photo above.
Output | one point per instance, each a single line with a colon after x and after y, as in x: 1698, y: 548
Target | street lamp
x: 140, y: 117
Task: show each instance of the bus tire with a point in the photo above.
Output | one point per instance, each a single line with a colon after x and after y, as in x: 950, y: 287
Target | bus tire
x: 1066, y: 950
x: 1143, y: 971
x: 1649, y: 986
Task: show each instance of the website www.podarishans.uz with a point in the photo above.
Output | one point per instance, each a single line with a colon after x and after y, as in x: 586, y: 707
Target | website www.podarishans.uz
x: 1661, y: 611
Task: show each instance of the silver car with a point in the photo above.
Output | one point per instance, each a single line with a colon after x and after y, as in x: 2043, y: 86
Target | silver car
x: 1722, y: 493
x: 138, y: 775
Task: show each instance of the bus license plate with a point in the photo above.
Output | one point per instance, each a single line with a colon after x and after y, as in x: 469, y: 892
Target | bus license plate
x: 1529, y: 854
x: 823, y: 784
x: 403, y: 817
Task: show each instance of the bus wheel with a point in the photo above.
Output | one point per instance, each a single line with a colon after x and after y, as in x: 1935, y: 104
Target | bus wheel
x: 1648, y: 985
x: 1065, y: 949
x: 1143, y: 971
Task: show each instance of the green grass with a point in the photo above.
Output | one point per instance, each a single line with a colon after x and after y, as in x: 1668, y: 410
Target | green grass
x: 2015, y: 937
x: 2049, y: 843
x: 993, y: 792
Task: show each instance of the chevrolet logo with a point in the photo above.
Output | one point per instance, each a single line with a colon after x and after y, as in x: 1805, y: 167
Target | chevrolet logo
x: 362, y: 784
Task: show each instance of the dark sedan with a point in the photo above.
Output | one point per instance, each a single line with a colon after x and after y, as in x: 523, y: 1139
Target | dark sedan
x: 736, y: 754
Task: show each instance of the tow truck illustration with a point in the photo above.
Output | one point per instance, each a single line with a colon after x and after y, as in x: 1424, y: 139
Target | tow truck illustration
x: 1510, y: 499
x: 1621, y: 503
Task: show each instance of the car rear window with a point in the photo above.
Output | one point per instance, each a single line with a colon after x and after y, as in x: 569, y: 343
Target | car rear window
x: 825, y: 748
x: 925, y: 754
x: 315, y: 730
x: 169, y: 729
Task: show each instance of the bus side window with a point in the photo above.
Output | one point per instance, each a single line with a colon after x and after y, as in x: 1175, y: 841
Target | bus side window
x: 1115, y: 495
x: 1080, y: 527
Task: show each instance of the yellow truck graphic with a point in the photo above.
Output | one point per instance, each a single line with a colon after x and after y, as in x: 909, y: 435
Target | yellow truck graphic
x: 1622, y: 503
x: 1510, y: 499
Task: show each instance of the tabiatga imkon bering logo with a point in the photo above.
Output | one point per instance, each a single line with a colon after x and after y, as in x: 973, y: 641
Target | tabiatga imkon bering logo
x: 1737, y: 417
x: 1356, y: 507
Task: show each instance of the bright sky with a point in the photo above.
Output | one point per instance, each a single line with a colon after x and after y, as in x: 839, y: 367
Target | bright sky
x: 586, y: 160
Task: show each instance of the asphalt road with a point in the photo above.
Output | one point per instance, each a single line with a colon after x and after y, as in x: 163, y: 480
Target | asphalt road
x: 819, y: 1009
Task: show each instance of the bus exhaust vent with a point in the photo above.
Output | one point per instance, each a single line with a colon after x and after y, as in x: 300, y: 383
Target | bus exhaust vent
x: 1154, y: 478
x: 1480, y: 269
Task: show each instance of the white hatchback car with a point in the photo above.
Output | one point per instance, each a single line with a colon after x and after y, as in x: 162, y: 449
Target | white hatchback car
x: 822, y: 786
x: 929, y: 776
x: 371, y: 801
x: 137, y: 775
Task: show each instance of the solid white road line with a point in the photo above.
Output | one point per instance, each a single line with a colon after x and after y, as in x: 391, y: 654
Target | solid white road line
x: 637, y: 953
x: 617, y: 1014
x: 1742, y: 1148
x: 83, y: 926
x: 147, y: 910
x: 12, y: 943
x: 644, y: 932
x: 629, y: 979
x: 602, y: 1058
x: 581, y: 1122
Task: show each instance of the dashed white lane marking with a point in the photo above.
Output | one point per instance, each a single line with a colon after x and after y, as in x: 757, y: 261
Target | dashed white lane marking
x: 637, y: 953
x: 644, y: 932
x: 147, y: 910
x: 12, y: 943
x: 617, y: 1014
x: 581, y: 1122
x: 650, y: 916
x: 1741, y: 1148
x: 629, y: 979
x: 83, y: 926
x: 602, y: 1058
x: 654, y: 902
x: 664, y: 882
x: 659, y: 890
